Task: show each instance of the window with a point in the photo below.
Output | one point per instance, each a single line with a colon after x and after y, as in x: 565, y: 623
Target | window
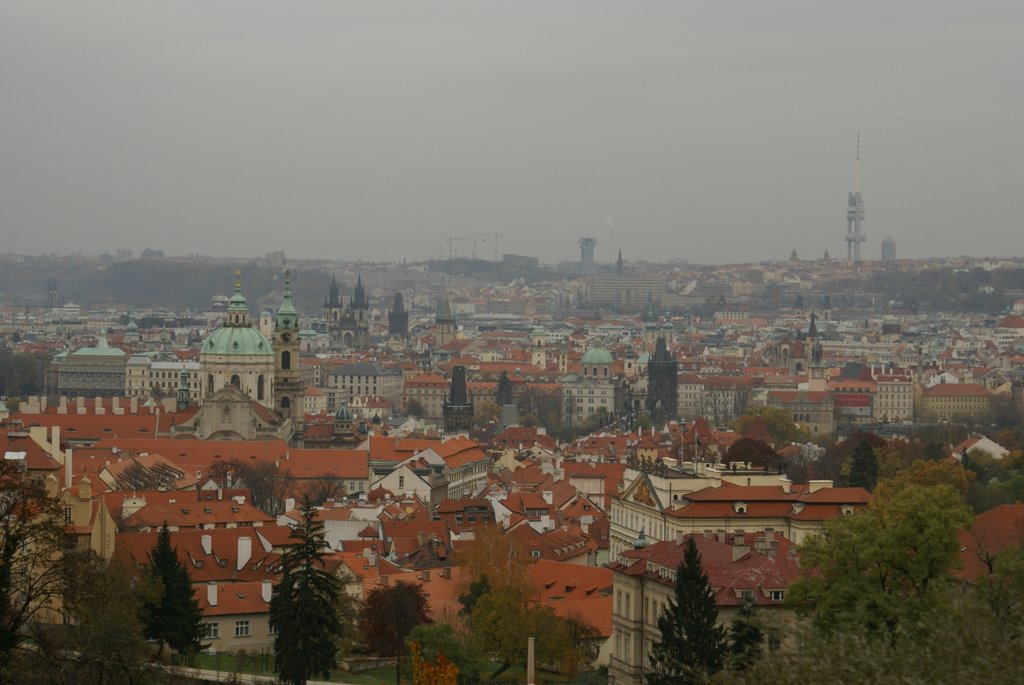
x: 211, y: 631
x: 776, y: 595
x: 271, y: 628
x: 535, y: 554
x: 67, y: 514
x: 241, y: 629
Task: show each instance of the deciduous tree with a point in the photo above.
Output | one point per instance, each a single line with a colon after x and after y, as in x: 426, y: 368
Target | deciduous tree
x: 31, y: 547
x: 878, y: 569
x: 389, y: 615
x: 779, y: 422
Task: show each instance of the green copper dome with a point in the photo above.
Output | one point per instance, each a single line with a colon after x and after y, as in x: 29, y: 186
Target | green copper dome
x: 343, y: 413
x: 597, y: 355
x: 237, y: 340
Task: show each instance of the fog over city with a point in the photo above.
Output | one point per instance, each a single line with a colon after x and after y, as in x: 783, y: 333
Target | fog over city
x: 712, y: 132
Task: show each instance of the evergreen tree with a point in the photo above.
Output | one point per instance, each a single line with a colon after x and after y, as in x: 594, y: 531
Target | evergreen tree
x: 864, y: 467
x: 504, y: 394
x: 745, y: 637
x: 173, y: 617
x: 692, y: 645
x: 304, y: 608
x: 477, y: 589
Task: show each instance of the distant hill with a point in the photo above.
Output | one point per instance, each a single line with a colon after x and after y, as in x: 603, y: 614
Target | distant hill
x: 156, y: 283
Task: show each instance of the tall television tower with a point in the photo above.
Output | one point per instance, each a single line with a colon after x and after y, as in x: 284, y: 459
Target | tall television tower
x: 855, y: 214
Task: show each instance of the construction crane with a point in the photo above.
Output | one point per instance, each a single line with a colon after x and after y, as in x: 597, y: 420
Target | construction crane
x: 496, y: 236
x: 466, y: 239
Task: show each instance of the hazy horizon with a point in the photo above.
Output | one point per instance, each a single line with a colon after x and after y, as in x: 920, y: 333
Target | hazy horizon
x: 360, y: 130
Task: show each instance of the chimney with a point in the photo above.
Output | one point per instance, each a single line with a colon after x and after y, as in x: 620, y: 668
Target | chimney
x: 115, y: 406
x: 815, y: 485
x: 786, y: 484
x: 266, y: 590
x: 421, y: 538
x: 207, y: 542
x: 740, y: 548
x: 289, y: 504
x: 426, y: 574
x: 211, y: 594
x: 68, y: 470
x: 371, y: 558
x: 99, y: 406
x: 134, y: 405
x: 85, y: 488
x: 55, y: 442
x: 79, y: 405
x: 244, y: 552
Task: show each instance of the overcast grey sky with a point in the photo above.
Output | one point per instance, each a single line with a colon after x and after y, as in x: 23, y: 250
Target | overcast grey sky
x: 708, y: 131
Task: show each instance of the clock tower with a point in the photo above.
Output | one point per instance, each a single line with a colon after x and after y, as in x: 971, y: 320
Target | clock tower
x: 289, y: 389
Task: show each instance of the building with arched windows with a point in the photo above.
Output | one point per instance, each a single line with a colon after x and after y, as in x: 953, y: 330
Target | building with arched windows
x: 237, y: 355
x: 597, y: 389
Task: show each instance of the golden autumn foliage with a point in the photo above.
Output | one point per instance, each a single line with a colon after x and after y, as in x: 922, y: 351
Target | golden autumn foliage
x: 440, y: 672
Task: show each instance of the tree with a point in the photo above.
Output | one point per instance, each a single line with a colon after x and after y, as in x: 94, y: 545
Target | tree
x: 477, y: 589
x: 779, y: 422
x: 457, y: 647
x: 268, y: 485
x: 413, y: 407
x: 885, y: 567
x: 692, y: 645
x: 503, y: 618
x: 504, y: 394
x: 757, y: 452
x: 745, y: 636
x: 863, y: 467
x: 173, y: 617
x: 498, y: 557
x: 102, y: 638
x: 486, y: 412
x: 31, y: 546
x: 305, y: 606
x: 439, y: 671
x: 389, y: 615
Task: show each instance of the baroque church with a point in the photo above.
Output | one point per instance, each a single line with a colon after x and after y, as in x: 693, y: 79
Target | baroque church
x: 252, y: 386
x: 348, y: 326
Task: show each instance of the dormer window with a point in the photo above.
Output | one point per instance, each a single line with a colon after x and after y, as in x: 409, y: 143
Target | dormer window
x: 739, y: 507
x: 846, y: 509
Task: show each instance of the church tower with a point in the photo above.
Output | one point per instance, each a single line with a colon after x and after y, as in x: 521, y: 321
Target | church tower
x: 444, y: 328
x: 816, y: 368
x: 662, y: 384
x: 334, y: 311
x: 398, y: 319
x: 458, y: 408
x: 360, y: 306
x: 289, y: 389
x: 52, y: 293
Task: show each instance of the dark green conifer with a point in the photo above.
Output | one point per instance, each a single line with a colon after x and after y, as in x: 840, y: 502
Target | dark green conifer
x: 304, y: 607
x: 173, y: 618
x: 692, y: 645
